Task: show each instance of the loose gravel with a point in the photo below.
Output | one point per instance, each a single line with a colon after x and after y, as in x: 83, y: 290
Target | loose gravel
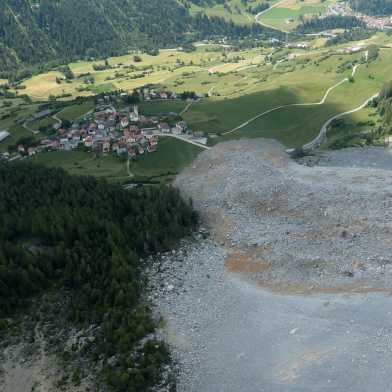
x: 318, y: 228
x: 230, y: 301
x: 227, y: 335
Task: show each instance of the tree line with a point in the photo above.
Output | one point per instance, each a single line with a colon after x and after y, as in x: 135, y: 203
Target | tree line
x: 62, y: 31
x: 88, y: 237
x: 316, y: 24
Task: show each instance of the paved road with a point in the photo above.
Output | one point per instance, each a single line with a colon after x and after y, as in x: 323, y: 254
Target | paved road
x: 257, y: 17
x: 184, y: 139
x: 321, y: 102
x: 26, y: 126
x: 323, y: 132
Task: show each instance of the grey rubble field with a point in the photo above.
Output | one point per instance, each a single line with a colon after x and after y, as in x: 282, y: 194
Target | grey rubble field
x: 229, y: 336
x: 289, y: 226
x: 323, y: 232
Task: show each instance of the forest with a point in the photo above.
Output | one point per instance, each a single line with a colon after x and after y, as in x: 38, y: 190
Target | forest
x: 316, y: 24
x: 70, y: 29
x: 89, y: 237
x: 383, y: 103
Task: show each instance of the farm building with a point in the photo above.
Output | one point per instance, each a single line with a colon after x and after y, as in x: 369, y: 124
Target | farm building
x: 3, y: 135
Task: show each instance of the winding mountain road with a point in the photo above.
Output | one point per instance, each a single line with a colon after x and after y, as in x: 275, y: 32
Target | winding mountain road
x: 322, y: 102
x: 257, y: 18
x: 184, y: 139
x: 323, y: 131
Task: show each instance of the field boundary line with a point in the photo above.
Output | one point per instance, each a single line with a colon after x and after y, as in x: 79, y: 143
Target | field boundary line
x: 321, y: 102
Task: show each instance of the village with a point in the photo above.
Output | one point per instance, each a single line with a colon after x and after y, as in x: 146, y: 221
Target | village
x: 124, y: 132
x: 373, y: 22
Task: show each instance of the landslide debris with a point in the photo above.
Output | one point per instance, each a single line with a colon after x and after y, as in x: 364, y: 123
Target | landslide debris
x: 295, y: 228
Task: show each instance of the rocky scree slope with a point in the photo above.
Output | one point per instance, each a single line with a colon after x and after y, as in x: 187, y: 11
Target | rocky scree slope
x: 293, y: 228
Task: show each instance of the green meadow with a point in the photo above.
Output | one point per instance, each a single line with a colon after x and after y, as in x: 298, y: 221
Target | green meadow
x: 170, y: 158
x: 241, y: 84
x: 76, y: 111
x: 287, y: 15
x: 84, y: 163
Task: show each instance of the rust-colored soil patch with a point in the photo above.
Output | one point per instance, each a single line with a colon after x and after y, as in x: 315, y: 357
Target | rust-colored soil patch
x: 243, y: 263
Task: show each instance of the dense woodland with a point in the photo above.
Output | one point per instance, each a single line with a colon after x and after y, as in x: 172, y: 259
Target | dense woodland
x: 86, y: 237
x: 316, y: 24
x: 350, y: 35
x: 68, y: 29
x: 372, y: 7
x: 383, y: 103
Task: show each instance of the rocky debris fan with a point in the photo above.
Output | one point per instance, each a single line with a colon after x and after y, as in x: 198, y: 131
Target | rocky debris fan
x: 292, y: 227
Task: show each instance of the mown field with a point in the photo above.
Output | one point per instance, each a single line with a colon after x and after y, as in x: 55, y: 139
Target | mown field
x: 287, y: 15
x: 233, y: 10
x: 84, y: 163
x: 76, y: 111
x: 296, y: 126
x: 158, y: 107
x: 241, y: 85
x: 13, y: 112
x: 306, y: 81
x: 172, y: 156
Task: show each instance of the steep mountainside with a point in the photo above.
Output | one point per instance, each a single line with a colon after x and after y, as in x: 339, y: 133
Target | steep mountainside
x: 83, y: 239
x: 35, y: 32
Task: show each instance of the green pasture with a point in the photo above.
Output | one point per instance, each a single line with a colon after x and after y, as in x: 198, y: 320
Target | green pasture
x: 170, y: 158
x: 296, y: 126
x: 73, y: 112
x: 308, y: 83
x: 287, y: 16
x: 17, y: 132
x: 162, y: 107
x: 84, y: 163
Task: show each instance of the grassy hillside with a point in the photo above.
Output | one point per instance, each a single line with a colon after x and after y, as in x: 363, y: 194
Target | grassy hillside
x: 171, y: 157
x: 288, y: 14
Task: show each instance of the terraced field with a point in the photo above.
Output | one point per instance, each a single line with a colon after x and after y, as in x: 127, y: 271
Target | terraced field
x: 241, y: 85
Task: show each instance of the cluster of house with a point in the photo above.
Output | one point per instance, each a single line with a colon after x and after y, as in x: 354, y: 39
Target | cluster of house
x: 3, y: 134
x: 298, y: 45
x: 352, y: 49
x: 150, y: 94
x: 373, y: 22
x: 124, y: 132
